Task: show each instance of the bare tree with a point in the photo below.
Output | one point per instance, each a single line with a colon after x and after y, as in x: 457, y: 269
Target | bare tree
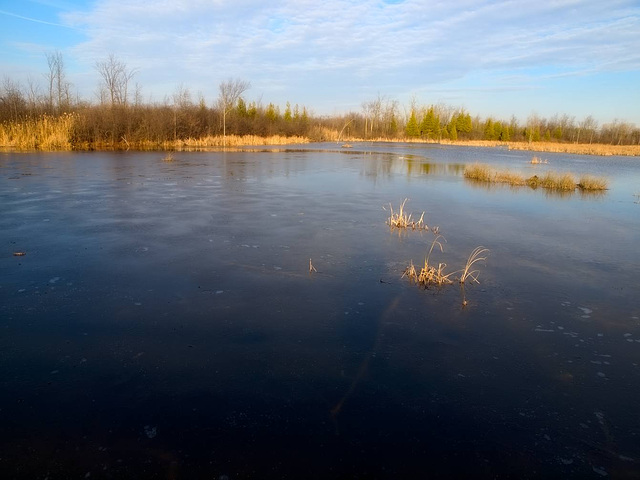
x: 59, y: 88
x: 588, y: 126
x: 230, y: 91
x: 534, y: 123
x: 116, y: 78
x: 12, y: 102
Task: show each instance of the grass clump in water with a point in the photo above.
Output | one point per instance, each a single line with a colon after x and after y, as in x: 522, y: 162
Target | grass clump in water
x: 550, y: 180
x: 535, y: 160
x: 475, y: 257
x: 429, y: 274
x: 400, y: 219
x: 432, y: 275
x: 590, y: 182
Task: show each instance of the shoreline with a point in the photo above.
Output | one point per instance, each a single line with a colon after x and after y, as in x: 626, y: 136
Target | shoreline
x: 236, y: 141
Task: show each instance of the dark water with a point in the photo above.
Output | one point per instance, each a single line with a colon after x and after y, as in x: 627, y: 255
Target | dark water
x: 163, y: 322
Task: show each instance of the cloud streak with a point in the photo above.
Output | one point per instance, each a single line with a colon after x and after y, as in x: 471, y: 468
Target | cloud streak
x: 34, y: 20
x: 304, y: 48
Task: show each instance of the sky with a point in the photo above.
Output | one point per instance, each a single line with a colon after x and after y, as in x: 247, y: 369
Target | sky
x: 493, y: 58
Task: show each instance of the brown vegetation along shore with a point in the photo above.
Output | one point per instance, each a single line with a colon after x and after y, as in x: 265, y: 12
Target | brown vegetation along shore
x: 76, y: 131
x: 554, y: 147
x: 576, y: 148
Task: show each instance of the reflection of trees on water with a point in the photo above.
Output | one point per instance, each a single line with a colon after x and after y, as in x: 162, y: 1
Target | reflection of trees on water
x: 381, y: 165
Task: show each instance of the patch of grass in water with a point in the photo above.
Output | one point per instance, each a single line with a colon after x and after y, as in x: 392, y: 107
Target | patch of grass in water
x: 590, y: 182
x: 401, y: 220
x: 549, y: 180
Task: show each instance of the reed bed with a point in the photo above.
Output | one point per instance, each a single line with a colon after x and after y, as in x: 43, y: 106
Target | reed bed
x: 590, y: 182
x: 602, y: 149
x: 42, y: 133
x: 577, y: 148
x: 549, y: 180
x: 237, y: 141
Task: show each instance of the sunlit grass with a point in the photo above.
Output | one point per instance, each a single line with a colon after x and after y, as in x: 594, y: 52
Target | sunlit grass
x: 590, y: 182
x: 431, y: 274
x: 535, y: 160
x: 42, y: 133
x: 401, y: 219
x: 477, y: 255
x: 549, y: 180
x: 238, y: 140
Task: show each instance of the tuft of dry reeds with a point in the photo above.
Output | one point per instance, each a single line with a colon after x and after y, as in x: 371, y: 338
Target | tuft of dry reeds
x: 429, y: 275
x: 475, y: 257
x: 400, y: 219
x: 550, y: 180
x: 432, y: 275
x: 537, y: 160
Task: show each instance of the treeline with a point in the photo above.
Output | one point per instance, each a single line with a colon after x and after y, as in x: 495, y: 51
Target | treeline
x: 120, y: 118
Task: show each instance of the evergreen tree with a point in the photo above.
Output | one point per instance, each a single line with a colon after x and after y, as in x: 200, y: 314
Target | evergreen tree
x: 241, y: 108
x: 252, y: 111
x: 272, y: 113
x: 287, y: 112
x: 430, y: 126
x: 557, y: 133
x: 489, y: 130
x: 411, y: 129
x: 463, y: 123
x: 453, y: 131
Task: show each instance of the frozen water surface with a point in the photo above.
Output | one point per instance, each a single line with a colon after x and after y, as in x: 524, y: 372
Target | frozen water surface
x: 164, y: 322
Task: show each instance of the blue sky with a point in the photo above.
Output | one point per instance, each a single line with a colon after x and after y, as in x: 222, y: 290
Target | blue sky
x: 498, y: 58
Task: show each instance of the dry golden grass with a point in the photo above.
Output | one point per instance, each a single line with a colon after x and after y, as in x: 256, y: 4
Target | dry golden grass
x: 535, y: 160
x: 549, y: 180
x: 576, y: 148
x: 590, y: 182
x: 429, y: 275
x: 237, y: 141
x: 400, y: 219
x: 475, y: 257
x: 43, y: 133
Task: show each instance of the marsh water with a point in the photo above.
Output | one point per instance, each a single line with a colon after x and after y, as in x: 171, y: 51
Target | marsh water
x: 163, y: 320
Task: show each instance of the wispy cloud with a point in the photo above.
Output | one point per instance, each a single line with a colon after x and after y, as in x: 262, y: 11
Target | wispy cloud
x: 358, y: 45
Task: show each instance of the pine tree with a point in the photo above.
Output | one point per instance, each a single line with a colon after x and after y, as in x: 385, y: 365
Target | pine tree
x: 430, y: 126
x: 453, y: 131
x: 411, y: 129
x: 489, y: 131
x: 287, y: 112
x: 241, y: 108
